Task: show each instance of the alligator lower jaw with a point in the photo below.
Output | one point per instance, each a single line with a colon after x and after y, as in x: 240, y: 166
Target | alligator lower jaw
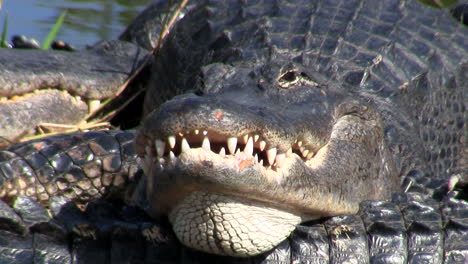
x: 225, y: 221
x: 226, y: 225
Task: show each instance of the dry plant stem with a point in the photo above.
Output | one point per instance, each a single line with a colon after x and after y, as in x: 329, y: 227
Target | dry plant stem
x: 72, y: 129
x: 87, y: 124
x: 149, y: 56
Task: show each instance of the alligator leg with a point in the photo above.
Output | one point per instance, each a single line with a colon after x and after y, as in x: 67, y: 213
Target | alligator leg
x: 78, y: 166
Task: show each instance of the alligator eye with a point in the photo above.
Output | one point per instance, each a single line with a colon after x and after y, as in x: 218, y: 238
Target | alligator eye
x: 287, y: 79
x: 292, y: 78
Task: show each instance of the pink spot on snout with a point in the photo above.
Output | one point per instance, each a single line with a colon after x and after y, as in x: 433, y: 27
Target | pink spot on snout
x: 219, y: 115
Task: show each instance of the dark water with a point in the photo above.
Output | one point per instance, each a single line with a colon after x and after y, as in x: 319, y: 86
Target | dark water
x: 86, y: 22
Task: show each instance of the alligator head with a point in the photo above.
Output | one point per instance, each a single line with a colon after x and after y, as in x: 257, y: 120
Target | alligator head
x: 256, y: 136
x: 255, y: 151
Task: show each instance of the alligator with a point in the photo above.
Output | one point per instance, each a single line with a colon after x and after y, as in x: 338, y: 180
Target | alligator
x: 273, y: 132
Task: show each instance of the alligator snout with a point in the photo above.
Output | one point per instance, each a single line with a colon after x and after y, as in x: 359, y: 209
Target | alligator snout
x: 321, y: 163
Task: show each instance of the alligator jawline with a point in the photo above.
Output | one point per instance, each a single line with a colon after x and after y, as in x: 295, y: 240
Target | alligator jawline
x: 255, y: 149
x: 188, y: 152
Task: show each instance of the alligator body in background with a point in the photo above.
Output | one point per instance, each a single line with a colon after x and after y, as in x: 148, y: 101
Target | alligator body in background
x: 395, y: 67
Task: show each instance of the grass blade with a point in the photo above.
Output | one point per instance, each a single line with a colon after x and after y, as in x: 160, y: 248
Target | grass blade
x: 3, y: 41
x: 53, y: 31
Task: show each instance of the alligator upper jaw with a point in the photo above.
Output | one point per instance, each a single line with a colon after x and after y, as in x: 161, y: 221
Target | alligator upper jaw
x: 331, y: 181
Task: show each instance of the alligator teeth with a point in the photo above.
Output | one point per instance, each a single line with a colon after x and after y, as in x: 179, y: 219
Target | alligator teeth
x: 185, y: 145
x: 160, y: 145
x: 232, y: 144
x: 289, y: 152
x: 222, y: 152
x: 271, y: 155
x: 249, y: 147
x: 280, y: 160
x: 93, y: 105
x: 254, y: 147
x: 206, y: 144
x: 171, y: 140
x: 262, y: 145
x: 245, y: 138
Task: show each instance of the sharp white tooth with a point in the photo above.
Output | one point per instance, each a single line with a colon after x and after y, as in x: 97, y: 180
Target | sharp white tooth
x: 248, y: 150
x: 171, y: 140
x: 222, y: 152
x: 160, y: 145
x: 299, y: 143
x: 185, y: 145
x: 206, y: 144
x: 260, y: 162
x: 262, y: 145
x: 280, y: 160
x: 289, y: 152
x: 232, y: 144
x: 197, y: 131
x: 295, y: 141
x: 171, y: 155
x: 310, y: 155
x: 181, y: 134
x: 93, y: 105
x: 256, y: 157
x: 205, y: 132
x: 245, y: 138
x: 271, y: 155
x: 238, y: 151
x: 305, y: 152
x: 256, y: 137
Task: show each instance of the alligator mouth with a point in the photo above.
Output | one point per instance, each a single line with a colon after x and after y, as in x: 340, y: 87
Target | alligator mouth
x: 250, y: 149
x: 197, y: 168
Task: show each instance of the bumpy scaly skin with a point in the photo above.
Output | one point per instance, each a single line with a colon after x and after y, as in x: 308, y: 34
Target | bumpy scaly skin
x: 35, y: 83
x: 330, y: 95
x: 242, y: 228
x: 79, y: 167
x: 408, y: 229
x: 342, y: 51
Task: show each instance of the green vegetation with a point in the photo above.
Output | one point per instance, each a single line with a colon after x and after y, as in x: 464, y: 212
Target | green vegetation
x: 439, y: 3
x: 3, y: 41
x: 54, y: 31
x: 47, y: 41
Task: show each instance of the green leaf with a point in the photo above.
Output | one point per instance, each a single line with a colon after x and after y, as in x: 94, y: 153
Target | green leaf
x: 439, y: 3
x: 53, y: 31
x: 3, y: 41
